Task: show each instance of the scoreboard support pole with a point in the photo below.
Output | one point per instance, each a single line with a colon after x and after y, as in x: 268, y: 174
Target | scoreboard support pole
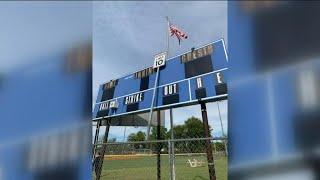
x: 159, y: 146
x: 212, y: 172
x: 98, y: 166
x: 96, y: 136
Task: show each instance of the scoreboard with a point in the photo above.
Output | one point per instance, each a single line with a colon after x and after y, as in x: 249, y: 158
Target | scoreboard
x: 198, y: 74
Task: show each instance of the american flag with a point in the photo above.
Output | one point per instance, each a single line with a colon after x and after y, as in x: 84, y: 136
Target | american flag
x: 178, y: 33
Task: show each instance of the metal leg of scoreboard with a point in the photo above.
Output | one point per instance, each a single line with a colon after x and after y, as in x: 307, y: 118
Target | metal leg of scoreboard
x: 212, y: 172
x: 96, y: 139
x: 95, y: 148
x: 159, y: 146
x: 98, y: 166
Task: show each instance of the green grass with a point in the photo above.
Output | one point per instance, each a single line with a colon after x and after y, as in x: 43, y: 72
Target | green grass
x: 144, y: 168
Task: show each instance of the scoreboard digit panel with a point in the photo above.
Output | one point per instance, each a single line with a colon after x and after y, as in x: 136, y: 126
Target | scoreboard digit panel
x: 198, y: 74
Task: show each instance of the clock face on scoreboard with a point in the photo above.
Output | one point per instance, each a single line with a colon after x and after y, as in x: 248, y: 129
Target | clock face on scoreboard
x: 183, y: 80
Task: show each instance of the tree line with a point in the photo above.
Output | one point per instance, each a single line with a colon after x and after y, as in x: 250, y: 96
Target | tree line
x: 192, y: 128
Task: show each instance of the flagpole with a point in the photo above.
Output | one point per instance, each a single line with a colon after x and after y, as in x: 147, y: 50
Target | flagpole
x: 168, y: 26
x: 152, y: 103
x: 171, y: 144
x: 156, y: 82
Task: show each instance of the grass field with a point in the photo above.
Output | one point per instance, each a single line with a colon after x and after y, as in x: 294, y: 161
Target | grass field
x: 144, y: 168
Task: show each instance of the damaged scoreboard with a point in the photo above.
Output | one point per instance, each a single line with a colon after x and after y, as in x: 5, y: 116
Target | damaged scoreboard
x: 200, y: 74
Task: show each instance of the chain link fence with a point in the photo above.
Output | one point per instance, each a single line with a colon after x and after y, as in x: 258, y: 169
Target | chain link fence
x: 175, y: 150
x: 178, y: 159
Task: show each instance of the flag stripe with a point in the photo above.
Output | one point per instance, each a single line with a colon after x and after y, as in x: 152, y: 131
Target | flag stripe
x: 178, y: 33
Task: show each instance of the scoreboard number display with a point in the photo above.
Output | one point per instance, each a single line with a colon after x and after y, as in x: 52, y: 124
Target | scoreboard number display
x: 160, y: 60
x: 199, y: 82
x: 219, y: 78
x: 170, y: 89
x: 201, y: 73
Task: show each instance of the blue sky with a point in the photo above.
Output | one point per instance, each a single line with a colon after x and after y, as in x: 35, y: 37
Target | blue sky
x: 126, y: 35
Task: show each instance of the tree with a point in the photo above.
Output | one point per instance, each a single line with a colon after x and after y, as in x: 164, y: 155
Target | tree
x: 220, y: 146
x: 163, y: 133
x: 178, y: 131
x: 192, y: 128
x: 139, y: 136
x: 112, y: 140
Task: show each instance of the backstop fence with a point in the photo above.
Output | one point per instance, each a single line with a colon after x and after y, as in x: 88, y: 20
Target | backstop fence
x: 163, y: 159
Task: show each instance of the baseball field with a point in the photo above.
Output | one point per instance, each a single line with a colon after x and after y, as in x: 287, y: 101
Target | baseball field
x: 144, y: 167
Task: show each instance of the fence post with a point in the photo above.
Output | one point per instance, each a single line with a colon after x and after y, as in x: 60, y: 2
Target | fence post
x: 159, y: 147
x: 223, y: 134
x: 204, y: 114
x: 172, y: 156
x: 214, y: 147
x: 170, y: 159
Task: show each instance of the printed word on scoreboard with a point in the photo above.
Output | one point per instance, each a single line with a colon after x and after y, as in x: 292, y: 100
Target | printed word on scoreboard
x: 200, y: 74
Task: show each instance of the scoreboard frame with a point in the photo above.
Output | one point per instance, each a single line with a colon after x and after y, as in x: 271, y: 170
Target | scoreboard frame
x: 138, y: 96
